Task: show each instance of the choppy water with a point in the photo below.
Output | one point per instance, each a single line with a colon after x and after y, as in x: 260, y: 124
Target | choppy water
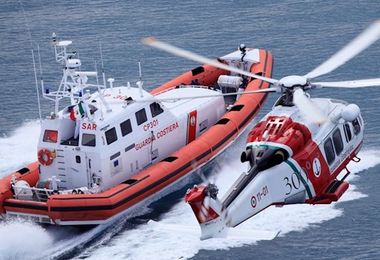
x: 300, y: 34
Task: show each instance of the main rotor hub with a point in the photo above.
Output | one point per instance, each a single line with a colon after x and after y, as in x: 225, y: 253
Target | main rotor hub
x: 293, y: 81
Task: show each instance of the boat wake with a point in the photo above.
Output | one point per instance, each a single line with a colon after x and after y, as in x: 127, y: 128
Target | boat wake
x: 20, y: 240
x: 20, y: 148
x: 121, y: 240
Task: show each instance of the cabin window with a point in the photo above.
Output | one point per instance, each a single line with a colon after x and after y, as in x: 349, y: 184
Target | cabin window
x: 329, y: 151
x: 237, y: 108
x: 155, y: 109
x: 50, y: 136
x: 338, y: 142
x: 23, y: 170
x: 88, y: 140
x: 197, y: 70
x: 356, y: 126
x: 170, y: 159
x: 126, y: 127
x: 71, y: 141
x: 141, y: 116
x: 77, y: 159
x: 111, y: 135
x: 130, y: 181
x: 223, y: 121
x: 347, y: 132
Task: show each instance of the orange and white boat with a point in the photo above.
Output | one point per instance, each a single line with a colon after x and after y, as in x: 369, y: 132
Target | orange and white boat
x: 113, y: 148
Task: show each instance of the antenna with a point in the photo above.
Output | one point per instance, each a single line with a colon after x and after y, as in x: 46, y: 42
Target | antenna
x: 96, y: 69
x: 101, y: 59
x: 108, y: 109
x: 140, y: 82
x: 39, y: 61
x: 140, y: 72
x: 36, y: 80
x: 34, y: 62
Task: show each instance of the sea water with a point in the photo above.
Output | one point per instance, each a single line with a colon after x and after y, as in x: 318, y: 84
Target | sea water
x: 300, y: 34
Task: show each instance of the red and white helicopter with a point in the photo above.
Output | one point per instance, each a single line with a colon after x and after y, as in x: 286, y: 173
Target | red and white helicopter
x: 296, y: 152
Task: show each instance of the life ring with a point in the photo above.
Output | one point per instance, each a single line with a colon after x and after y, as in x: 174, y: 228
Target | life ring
x: 46, y: 157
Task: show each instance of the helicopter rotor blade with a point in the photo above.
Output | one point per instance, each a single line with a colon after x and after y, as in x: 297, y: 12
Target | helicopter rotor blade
x: 151, y: 41
x: 307, y: 107
x: 248, y: 92
x: 353, y: 48
x: 361, y: 83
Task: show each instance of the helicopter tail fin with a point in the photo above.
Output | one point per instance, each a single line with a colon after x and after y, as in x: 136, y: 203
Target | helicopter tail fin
x: 208, y: 210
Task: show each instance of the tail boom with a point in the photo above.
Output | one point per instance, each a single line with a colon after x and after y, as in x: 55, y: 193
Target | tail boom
x: 208, y: 211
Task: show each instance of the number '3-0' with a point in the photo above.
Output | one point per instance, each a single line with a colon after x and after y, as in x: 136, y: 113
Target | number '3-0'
x: 292, y: 183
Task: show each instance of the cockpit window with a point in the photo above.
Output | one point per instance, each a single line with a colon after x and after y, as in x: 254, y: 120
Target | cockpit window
x: 155, y: 109
x: 88, y: 140
x: 50, y: 136
x: 111, y: 135
x: 356, y: 126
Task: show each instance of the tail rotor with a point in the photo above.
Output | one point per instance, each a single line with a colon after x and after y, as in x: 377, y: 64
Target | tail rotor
x: 203, y: 200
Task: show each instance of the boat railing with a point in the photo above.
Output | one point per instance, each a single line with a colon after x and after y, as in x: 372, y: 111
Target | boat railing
x: 74, y: 83
x: 32, y: 193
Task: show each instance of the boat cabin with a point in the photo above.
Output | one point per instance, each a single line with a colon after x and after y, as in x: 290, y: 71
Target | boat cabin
x: 89, y: 143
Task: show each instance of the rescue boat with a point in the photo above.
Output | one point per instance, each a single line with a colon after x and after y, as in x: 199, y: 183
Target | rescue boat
x: 112, y: 148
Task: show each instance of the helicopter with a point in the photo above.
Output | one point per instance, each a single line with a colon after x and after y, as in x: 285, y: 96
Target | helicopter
x: 296, y: 154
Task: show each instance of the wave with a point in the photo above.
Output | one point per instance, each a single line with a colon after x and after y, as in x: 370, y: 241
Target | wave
x: 22, y: 240
x: 20, y: 148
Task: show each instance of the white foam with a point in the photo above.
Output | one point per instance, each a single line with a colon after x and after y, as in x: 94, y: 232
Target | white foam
x: 148, y: 242
x: 20, y: 148
x: 22, y: 240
